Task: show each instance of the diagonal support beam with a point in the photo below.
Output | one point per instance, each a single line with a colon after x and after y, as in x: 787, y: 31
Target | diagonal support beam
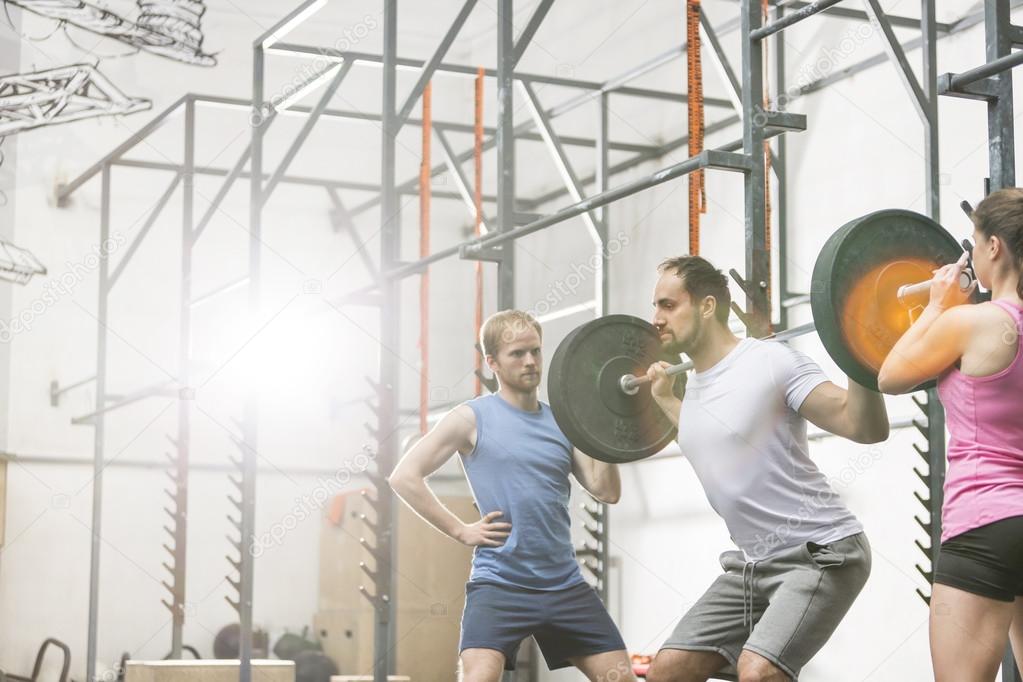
x: 530, y: 30
x: 150, y: 221
x: 720, y: 60
x: 568, y: 176
x: 898, y: 56
x: 307, y: 128
x: 346, y: 223
x: 229, y: 181
x: 431, y: 66
x: 461, y: 182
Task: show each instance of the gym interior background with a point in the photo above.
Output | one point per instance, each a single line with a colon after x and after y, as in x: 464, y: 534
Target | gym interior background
x: 174, y: 326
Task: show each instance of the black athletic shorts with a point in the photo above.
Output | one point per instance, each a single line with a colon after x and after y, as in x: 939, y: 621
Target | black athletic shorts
x: 987, y: 561
x: 566, y: 623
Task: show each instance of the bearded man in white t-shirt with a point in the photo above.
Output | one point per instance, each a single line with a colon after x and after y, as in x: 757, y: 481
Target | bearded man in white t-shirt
x: 803, y: 557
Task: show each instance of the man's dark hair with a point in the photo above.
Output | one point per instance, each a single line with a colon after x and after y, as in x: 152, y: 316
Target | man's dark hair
x: 701, y: 279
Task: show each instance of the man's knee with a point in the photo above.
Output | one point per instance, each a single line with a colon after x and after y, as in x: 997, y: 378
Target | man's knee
x: 676, y: 665
x: 756, y: 668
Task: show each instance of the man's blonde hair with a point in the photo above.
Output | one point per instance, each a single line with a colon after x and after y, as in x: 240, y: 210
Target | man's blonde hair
x: 502, y: 327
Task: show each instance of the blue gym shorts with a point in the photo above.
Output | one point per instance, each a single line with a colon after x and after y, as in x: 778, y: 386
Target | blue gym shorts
x: 566, y: 623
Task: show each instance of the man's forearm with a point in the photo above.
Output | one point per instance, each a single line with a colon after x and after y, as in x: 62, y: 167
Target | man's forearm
x: 866, y: 410
x: 609, y: 481
x: 418, y: 496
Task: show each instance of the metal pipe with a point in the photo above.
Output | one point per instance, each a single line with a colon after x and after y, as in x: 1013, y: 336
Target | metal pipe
x: 98, y: 434
x: 390, y: 326
x: 417, y: 64
x: 431, y: 66
x: 64, y: 191
x: 521, y: 131
x: 790, y: 19
x: 522, y: 42
x: 961, y: 80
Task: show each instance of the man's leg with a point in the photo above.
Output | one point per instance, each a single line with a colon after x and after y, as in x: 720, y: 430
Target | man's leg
x: 968, y: 634
x: 610, y: 666
x: 481, y: 665
x: 809, y: 589
x: 755, y: 668
x: 676, y: 665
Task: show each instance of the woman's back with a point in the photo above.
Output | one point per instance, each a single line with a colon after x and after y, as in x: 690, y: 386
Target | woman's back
x: 983, y: 401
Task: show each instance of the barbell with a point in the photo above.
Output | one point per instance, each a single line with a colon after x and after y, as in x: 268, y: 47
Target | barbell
x: 869, y: 276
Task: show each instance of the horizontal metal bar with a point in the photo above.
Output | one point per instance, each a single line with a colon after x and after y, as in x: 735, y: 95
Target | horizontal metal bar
x: 710, y: 158
x: 669, y: 147
x: 1016, y: 35
x: 287, y: 179
x: 466, y: 70
x: 148, y: 392
x: 567, y: 312
x: 596, y: 201
x: 449, y: 126
x: 357, y: 480
x: 793, y: 18
x: 843, y: 13
x: 56, y: 390
x: 961, y: 80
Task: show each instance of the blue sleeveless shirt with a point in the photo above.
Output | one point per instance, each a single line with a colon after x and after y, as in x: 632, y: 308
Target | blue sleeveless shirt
x: 520, y: 466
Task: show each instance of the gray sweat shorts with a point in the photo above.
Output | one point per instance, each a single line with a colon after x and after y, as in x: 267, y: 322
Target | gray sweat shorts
x: 784, y: 608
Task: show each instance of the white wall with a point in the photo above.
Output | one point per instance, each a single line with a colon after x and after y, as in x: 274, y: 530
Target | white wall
x: 863, y: 151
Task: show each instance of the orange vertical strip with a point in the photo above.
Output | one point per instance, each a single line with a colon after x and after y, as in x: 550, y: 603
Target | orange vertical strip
x: 478, y: 200
x: 424, y: 251
x: 697, y: 190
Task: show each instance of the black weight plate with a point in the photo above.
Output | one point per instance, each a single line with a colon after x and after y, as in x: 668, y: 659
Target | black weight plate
x: 858, y: 331
x: 585, y: 397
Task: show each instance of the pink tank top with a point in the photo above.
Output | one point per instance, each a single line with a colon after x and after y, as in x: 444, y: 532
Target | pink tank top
x: 984, y: 482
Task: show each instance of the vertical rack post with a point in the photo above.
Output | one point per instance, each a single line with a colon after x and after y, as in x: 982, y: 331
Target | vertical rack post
x: 390, y: 325
x: 505, y: 150
x: 758, y: 260
x: 98, y: 433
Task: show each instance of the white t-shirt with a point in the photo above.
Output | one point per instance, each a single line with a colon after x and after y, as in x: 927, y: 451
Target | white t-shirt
x: 740, y: 429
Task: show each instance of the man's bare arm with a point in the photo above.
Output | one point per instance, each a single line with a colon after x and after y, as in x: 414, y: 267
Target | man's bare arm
x: 455, y: 432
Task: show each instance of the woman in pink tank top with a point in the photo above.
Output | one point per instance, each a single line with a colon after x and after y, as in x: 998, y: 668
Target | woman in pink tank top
x: 976, y: 355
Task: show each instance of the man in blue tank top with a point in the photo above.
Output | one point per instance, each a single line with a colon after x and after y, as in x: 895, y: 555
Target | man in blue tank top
x: 525, y: 579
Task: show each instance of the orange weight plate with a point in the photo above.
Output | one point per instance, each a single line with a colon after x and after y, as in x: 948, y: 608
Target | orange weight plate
x: 855, y: 283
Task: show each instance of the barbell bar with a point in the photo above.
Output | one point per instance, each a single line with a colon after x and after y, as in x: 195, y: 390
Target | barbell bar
x: 597, y: 386
x: 630, y: 383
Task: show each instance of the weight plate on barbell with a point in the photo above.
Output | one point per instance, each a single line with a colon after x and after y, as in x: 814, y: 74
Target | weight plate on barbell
x: 586, y: 398
x: 855, y: 282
